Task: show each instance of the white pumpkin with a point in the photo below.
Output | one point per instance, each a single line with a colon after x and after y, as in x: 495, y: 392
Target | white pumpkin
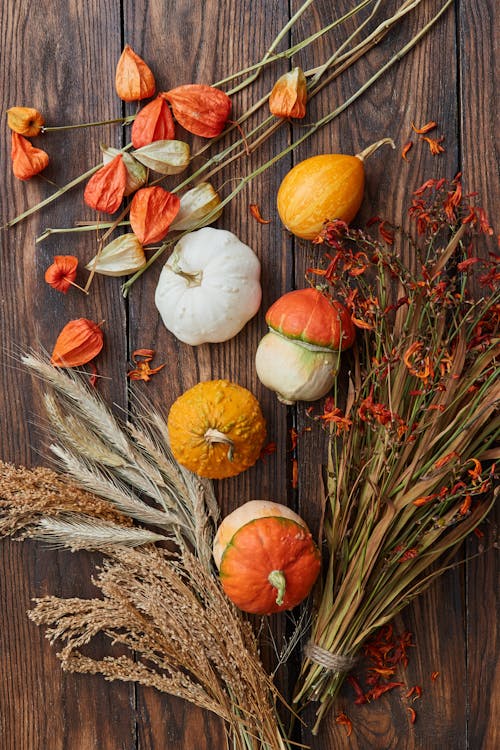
x: 209, y: 288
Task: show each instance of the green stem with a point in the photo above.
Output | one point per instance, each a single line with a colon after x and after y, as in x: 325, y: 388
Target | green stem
x: 125, y: 120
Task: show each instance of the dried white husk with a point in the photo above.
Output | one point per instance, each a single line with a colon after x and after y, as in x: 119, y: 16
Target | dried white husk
x: 137, y: 174
x: 165, y: 157
x: 196, y: 205
x: 122, y: 256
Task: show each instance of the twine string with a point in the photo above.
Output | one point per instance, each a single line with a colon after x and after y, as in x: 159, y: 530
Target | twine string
x: 332, y: 662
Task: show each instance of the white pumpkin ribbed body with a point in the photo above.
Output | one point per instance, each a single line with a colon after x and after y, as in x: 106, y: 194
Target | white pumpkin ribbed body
x: 217, y: 290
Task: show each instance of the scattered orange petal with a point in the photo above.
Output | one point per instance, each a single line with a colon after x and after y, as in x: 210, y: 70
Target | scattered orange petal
x: 344, y: 720
x: 141, y: 358
x: 435, y: 144
x: 405, y: 150
x: 425, y: 128
x: 255, y: 211
x: 413, y: 714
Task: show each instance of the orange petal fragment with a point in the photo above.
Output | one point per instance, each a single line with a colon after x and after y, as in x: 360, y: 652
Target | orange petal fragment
x: 435, y: 144
x: 134, y: 80
x: 106, y: 188
x: 152, y: 211
x: 425, y: 128
x: 62, y: 273
x: 200, y: 109
x: 255, y: 211
x: 79, y: 341
x: 27, y: 161
x: 153, y: 123
x: 405, y: 150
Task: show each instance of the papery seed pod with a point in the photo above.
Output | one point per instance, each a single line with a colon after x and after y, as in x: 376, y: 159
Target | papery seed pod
x: 165, y: 157
x: 153, y: 123
x: 79, y: 342
x: 201, y: 110
x: 134, y: 80
x: 62, y: 273
x: 195, y: 205
x: 25, y: 121
x: 289, y: 95
x: 137, y: 174
x: 27, y: 161
x: 122, y: 256
x: 106, y: 188
x: 151, y: 212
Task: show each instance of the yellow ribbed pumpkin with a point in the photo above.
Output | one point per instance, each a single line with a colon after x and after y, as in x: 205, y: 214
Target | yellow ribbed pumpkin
x: 216, y: 429
x: 323, y: 188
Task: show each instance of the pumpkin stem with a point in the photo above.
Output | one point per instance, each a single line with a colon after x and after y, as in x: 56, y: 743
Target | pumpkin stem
x: 193, y: 279
x: 215, y: 436
x: 277, y: 579
x: 369, y: 150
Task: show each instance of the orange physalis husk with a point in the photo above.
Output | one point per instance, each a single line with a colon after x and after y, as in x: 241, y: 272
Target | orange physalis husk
x: 25, y: 121
x: 27, y: 161
x: 133, y: 78
x: 141, y: 358
x: 79, y: 341
x: 200, y: 109
x: 289, y: 95
x: 106, y: 188
x: 153, y: 123
x: 255, y: 211
x: 137, y: 174
x: 151, y: 212
x: 62, y: 273
x: 425, y: 128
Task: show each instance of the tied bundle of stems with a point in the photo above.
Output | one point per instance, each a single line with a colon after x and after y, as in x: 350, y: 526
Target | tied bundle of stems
x: 124, y: 495
x: 412, y: 448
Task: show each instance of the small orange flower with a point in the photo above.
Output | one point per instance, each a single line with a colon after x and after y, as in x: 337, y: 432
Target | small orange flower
x: 141, y: 358
x: 435, y: 144
x: 465, y: 507
x: 475, y: 473
x: 344, y: 720
x: 106, y: 188
x: 289, y: 95
x: 153, y: 123
x: 25, y: 121
x: 152, y: 211
x: 446, y: 459
x: 62, y: 273
x: 27, y: 161
x: 420, y: 367
x: 133, y: 78
x: 201, y: 110
x: 255, y: 211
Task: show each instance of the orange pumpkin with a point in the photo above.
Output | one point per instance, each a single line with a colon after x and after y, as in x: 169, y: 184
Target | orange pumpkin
x: 267, y: 559
x: 321, y: 188
x: 216, y: 429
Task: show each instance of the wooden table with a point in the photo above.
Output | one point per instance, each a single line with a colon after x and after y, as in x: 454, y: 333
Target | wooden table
x: 60, y: 57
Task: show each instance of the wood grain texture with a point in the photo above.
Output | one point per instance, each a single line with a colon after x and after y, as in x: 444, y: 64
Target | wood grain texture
x: 69, y: 76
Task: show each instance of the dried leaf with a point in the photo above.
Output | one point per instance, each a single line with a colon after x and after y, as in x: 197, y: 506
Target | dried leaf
x: 165, y: 157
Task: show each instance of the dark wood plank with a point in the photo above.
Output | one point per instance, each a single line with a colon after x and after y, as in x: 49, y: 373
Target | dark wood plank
x: 61, y: 60
x: 479, y: 35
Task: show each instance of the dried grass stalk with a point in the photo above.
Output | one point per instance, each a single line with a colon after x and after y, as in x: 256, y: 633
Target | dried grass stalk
x: 184, y: 637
